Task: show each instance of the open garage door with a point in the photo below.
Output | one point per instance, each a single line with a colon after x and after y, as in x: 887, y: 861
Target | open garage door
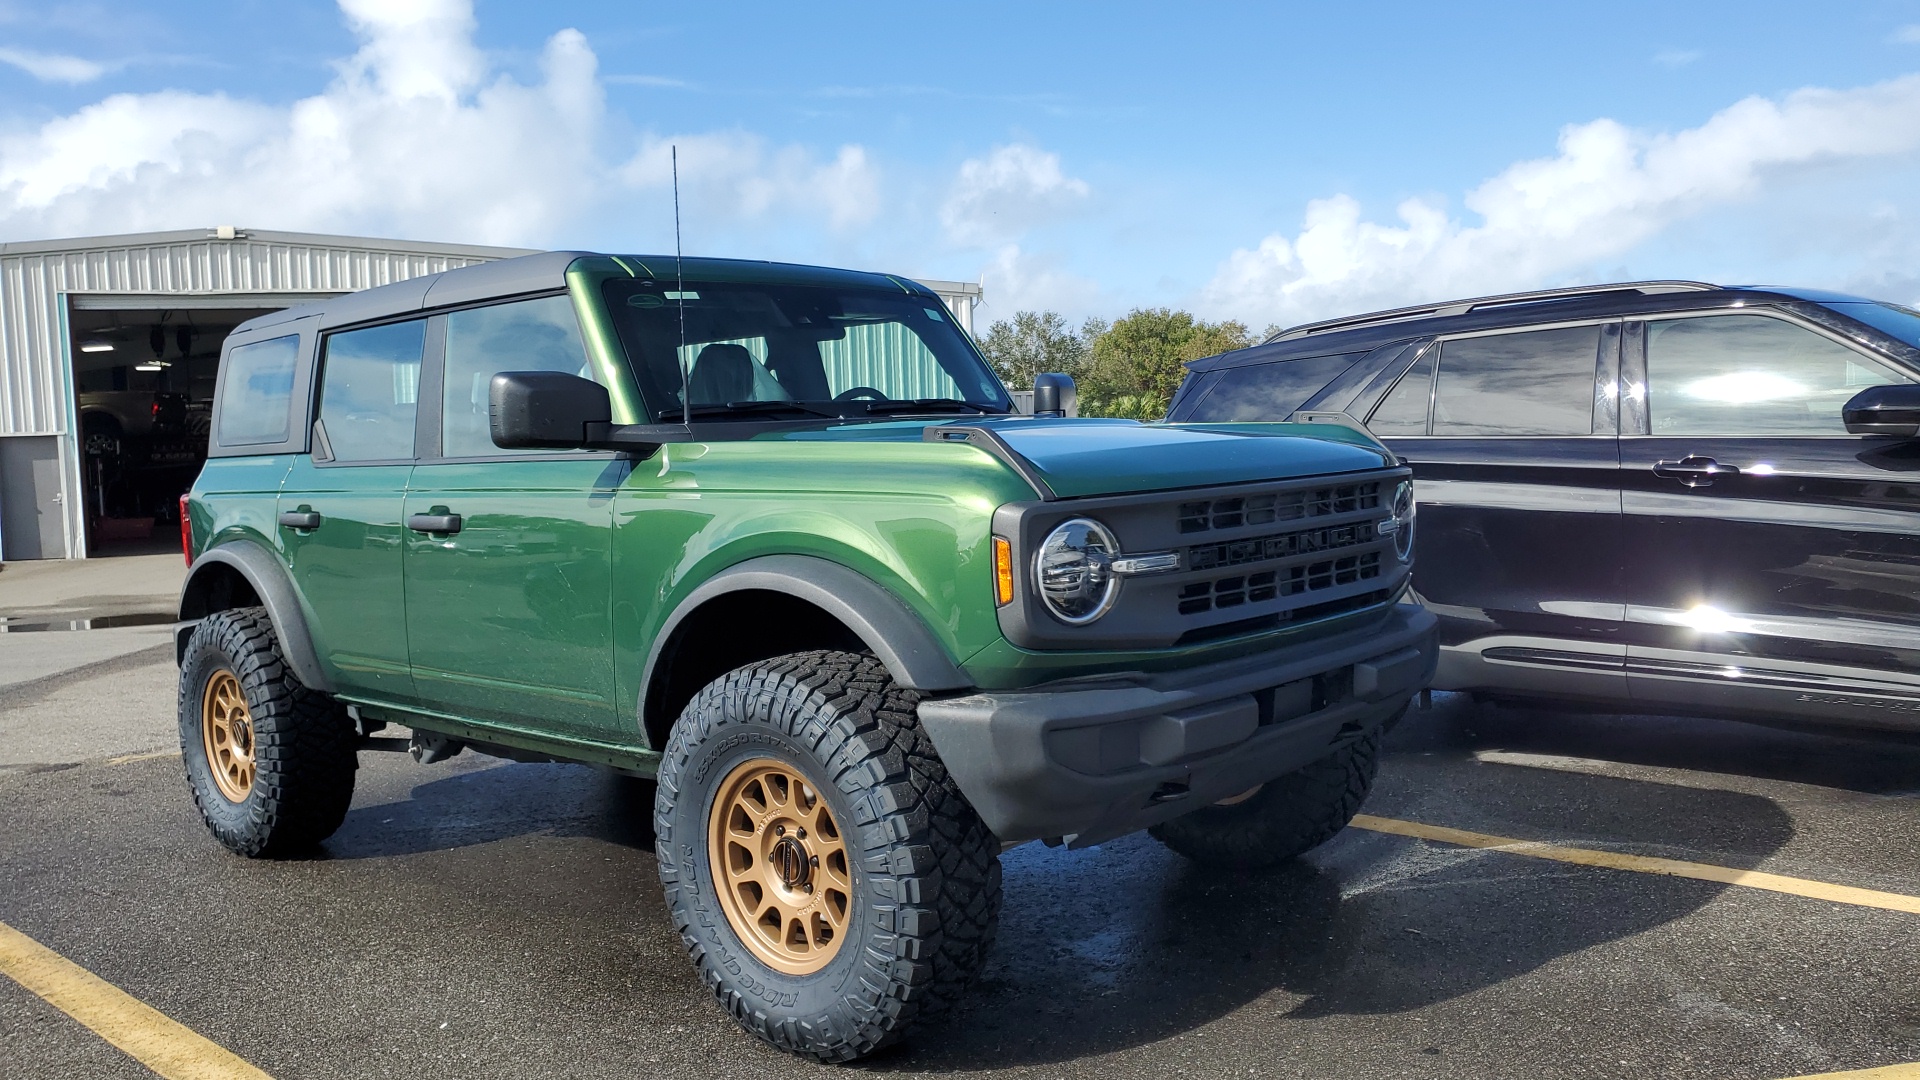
x: 143, y: 378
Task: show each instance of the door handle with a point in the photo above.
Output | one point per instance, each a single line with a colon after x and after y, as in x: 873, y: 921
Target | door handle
x: 434, y: 523
x: 1694, y: 470
x: 299, y: 519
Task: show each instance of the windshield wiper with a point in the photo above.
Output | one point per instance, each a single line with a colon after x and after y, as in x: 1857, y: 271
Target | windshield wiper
x: 928, y: 404
x: 757, y: 407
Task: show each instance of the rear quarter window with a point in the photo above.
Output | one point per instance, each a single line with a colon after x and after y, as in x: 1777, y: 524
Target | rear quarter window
x: 256, y: 396
x: 1269, y: 392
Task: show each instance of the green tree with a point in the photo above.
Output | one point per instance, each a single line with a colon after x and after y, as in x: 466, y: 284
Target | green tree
x: 1035, y: 341
x: 1139, y: 361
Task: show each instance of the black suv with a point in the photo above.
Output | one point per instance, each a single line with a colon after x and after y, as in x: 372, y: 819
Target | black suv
x: 1669, y: 496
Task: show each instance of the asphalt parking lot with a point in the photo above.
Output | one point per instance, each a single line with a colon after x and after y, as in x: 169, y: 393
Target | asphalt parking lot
x: 480, y: 918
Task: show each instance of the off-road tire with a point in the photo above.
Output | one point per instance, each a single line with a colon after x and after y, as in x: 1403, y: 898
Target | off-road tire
x: 925, y: 869
x: 1285, y: 818
x: 303, y: 742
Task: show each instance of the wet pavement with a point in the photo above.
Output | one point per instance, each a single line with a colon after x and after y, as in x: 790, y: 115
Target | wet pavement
x: 57, y: 616
x: 485, y: 919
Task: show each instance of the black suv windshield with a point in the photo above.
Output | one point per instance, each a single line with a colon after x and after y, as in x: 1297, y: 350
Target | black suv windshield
x: 795, y: 351
x: 1902, y: 323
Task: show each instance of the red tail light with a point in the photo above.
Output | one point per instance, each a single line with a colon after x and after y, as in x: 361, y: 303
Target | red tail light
x: 186, y: 532
x: 156, y: 409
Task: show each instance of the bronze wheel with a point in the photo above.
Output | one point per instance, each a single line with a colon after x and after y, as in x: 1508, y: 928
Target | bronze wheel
x: 226, y: 727
x: 780, y: 866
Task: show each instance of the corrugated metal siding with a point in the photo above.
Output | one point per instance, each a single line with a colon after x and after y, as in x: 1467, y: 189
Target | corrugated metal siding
x: 32, y: 381
x: 35, y: 391
x: 888, y: 357
x: 885, y: 356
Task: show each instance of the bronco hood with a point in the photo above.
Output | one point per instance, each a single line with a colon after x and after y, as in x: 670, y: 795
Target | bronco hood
x: 1077, y: 458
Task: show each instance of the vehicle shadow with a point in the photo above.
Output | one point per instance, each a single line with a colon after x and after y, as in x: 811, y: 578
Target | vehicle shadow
x: 1129, y: 944
x: 488, y: 800
x: 1861, y: 762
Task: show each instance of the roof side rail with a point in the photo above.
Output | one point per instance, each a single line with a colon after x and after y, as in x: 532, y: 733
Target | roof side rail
x: 1462, y: 307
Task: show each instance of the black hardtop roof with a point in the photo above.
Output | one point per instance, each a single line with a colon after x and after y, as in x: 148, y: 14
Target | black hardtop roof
x: 1364, y: 333
x: 548, y: 270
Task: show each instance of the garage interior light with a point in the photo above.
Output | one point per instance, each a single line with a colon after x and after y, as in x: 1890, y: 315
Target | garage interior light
x: 146, y: 367
x: 96, y: 346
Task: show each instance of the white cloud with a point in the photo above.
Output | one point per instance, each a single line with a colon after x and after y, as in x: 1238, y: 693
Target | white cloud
x: 1606, y: 191
x: 1001, y: 196
x: 1676, y: 58
x: 1016, y: 280
x: 52, y: 67
x: 416, y: 135
x: 737, y: 176
x: 1908, y: 35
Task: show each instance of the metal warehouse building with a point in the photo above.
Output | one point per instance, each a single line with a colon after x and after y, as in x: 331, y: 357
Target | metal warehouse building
x: 108, y: 350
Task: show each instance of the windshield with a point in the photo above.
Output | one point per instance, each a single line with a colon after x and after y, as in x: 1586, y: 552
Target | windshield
x: 1903, y: 324
x: 792, y: 351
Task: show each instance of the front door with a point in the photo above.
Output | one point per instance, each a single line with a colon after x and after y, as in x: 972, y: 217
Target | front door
x: 1513, y: 441
x: 509, y: 553
x: 1770, y: 552
x: 339, y: 508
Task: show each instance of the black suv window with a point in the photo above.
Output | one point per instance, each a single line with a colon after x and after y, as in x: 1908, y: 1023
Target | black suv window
x: 527, y: 335
x: 369, y: 384
x: 258, y: 392
x: 1751, y: 375
x: 1404, y: 410
x: 1271, y: 391
x: 1539, y: 382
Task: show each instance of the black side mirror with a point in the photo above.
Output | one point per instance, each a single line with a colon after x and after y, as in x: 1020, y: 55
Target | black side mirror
x: 1884, y: 410
x: 1054, y: 394
x: 545, y: 410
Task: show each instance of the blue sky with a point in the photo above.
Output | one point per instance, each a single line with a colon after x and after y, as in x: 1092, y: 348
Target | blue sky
x: 1264, y: 162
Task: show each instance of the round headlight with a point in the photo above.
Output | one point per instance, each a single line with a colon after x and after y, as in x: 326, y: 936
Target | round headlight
x: 1073, y: 570
x: 1403, y: 520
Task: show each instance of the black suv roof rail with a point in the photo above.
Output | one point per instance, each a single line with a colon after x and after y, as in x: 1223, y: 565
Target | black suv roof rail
x: 1462, y: 307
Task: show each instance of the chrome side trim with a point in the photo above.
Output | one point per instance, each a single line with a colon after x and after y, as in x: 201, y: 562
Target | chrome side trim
x: 1766, y: 512
x: 1554, y: 498
x: 1712, y: 621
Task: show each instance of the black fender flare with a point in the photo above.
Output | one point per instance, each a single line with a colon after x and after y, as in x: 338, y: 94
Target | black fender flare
x: 899, y: 638
x: 271, y: 584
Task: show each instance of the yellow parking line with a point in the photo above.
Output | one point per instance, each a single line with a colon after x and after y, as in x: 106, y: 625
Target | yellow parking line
x: 1889, y: 1072
x: 1613, y: 860
x: 169, y: 1048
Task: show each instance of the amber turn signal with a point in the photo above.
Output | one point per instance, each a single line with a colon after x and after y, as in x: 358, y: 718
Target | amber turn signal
x: 1002, y: 571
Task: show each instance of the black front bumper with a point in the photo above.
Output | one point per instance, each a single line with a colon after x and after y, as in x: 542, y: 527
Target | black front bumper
x: 1090, y: 760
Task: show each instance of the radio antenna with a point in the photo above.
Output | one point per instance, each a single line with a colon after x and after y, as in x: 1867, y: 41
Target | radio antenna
x: 680, y: 299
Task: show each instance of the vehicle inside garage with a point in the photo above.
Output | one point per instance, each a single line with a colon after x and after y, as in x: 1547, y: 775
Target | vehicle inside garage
x: 143, y: 384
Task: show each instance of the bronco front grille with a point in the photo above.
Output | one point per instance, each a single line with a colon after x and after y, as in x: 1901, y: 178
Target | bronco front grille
x: 1265, y: 509
x: 1219, y: 562
x: 1284, y: 546
x: 1226, y: 592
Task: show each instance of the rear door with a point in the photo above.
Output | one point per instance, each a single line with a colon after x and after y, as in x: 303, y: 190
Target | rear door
x: 1774, y: 559
x: 339, y: 508
x: 508, y: 553
x: 1513, y: 440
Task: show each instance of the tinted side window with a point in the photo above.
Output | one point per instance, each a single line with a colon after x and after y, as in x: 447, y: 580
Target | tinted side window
x: 1751, y: 375
x: 257, y: 397
x: 1534, y: 383
x: 369, y: 382
x: 1404, y: 410
x: 1270, y: 391
x: 527, y: 335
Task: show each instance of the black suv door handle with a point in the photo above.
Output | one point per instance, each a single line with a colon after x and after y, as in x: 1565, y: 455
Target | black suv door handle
x: 434, y: 523
x: 299, y: 519
x: 1694, y: 470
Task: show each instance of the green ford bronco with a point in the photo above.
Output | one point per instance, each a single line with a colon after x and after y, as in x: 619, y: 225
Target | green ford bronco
x: 774, y: 536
